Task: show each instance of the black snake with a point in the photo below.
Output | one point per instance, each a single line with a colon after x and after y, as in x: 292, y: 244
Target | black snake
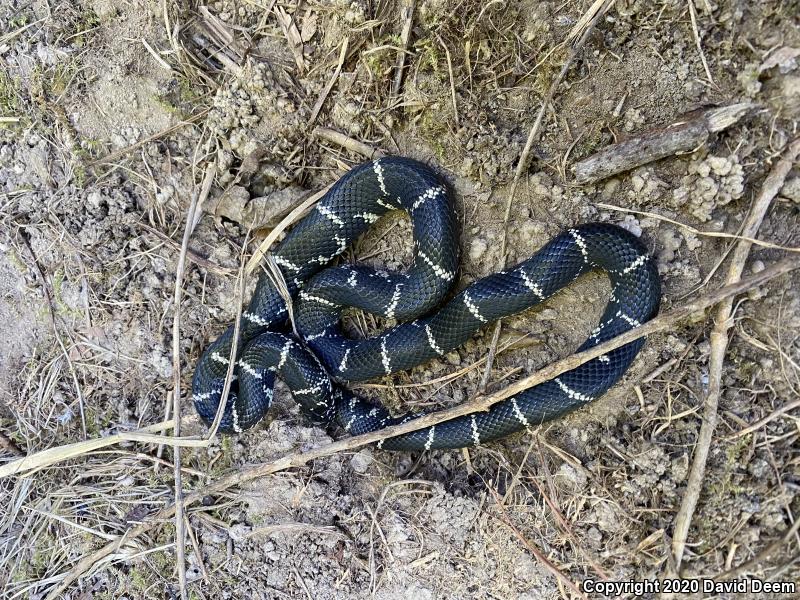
x: 309, y: 365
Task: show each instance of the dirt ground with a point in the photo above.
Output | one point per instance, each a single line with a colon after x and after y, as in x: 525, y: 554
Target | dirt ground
x: 111, y: 113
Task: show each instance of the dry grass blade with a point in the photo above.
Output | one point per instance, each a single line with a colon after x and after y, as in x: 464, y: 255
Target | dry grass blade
x: 180, y: 529
x: 292, y: 37
x: 226, y: 386
x: 277, y: 279
x: 587, y: 20
x: 700, y: 232
x: 548, y: 564
x: 27, y: 466
x: 117, y: 154
x: 329, y: 86
x: 164, y: 64
x: 698, y: 41
x: 267, y: 530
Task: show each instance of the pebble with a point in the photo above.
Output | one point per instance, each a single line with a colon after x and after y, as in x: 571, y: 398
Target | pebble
x: 791, y: 189
x: 361, y: 461
x: 477, y: 249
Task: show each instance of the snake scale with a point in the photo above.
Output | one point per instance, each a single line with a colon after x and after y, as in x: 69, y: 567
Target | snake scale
x: 315, y: 363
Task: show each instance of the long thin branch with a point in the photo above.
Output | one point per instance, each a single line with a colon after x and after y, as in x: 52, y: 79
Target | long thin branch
x: 719, y: 344
x: 298, y: 459
x: 180, y: 529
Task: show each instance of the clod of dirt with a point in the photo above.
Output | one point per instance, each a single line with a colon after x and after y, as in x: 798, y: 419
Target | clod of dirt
x: 791, y: 189
x: 710, y: 183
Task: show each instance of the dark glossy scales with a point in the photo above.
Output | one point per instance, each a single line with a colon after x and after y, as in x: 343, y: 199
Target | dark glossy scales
x: 321, y: 294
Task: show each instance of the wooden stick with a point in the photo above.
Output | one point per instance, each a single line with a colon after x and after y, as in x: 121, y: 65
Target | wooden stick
x: 407, y: 16
x: 180, y: 525
x: 340, y: 139
x: 660, y: 323
x: 298, y: 459
x: 719, y: 344
x: 684, y: 135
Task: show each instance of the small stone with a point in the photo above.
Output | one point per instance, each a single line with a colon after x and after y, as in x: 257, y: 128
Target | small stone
x: 569, y: 478
x: 477, y: 249
x: 791, y: 189
x: 239, y: 531
x: 631, y: 223
x: 361, y: 461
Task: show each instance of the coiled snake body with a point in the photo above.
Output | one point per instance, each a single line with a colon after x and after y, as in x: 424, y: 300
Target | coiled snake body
x: 308, y: 365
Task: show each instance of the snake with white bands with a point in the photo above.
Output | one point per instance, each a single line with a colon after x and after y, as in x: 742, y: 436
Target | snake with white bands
x: 315, y: 365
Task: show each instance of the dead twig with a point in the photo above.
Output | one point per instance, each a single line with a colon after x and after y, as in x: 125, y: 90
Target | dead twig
x: 686, y: 134
x: 340, y: 139
x: 761, y: 556
x: 452, y: 78
x: 292, y: 37
x: 700, y: 232
x: 719, y: 344
x: 180, y: 524
x: 698, y: 41
x: 761, y: 422
x: 191, y: 254
x: 407, y: 17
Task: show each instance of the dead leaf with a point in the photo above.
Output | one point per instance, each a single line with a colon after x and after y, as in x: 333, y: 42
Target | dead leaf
x: 309, y: 27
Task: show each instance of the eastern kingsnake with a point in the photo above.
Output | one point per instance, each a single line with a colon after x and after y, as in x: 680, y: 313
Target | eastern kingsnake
x: 323, y: 352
